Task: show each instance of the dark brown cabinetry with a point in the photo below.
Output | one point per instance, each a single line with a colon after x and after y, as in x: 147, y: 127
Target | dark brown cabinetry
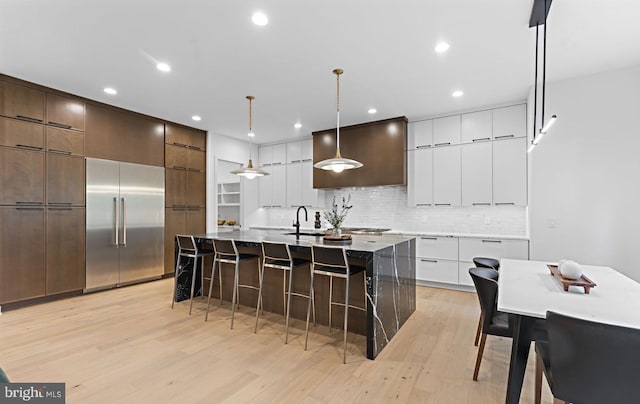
x: 196, y: 220
x: 175, y: 222
x: 65, y: 180
x: 65, y: 249
x: 185, y: 137
x: 65, y: 112
x: 21, y: 102
x: 180, y: 157
x: 22, y: 253
x: 196, y: 185
x: 175, y: 184
x: 65, y: 141
x: 16, y: 133
x: 21, y: 177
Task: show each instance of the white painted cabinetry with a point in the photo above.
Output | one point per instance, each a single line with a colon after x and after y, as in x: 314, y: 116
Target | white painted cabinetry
x: 446, y: 131
x: 294, y: 184
x: 510, y: 172
x: 510, y: 122
x: 476, y: 127
x: 420, y: 135
x: 446, y: 176
x: 420, y: 177
x: 477, y: 175
x: 487, y: 247
x: 437, y: 259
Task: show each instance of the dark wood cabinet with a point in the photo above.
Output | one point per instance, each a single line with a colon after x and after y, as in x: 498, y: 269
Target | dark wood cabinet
x: 65, y: 180
x: 196, y: 160
x: 185, y: 137
x: 22, y: 253
x: 21, y: 102
x: 65, y: 141
x: 17, y: 133
x: 21, y: 177
x: 196, y: 220
x: 175, y: 157
x: 65, y: 112
x: 175, y: 222
x: 175, y: 184
x: 65, y: 253
x: 196, y: 186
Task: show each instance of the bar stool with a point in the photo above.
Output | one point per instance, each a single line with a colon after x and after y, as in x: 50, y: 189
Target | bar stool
x: 278, y: 256
x: 483, y: 262
x: 188, y: 248
x: 226, y: 252
x: 332, y: 262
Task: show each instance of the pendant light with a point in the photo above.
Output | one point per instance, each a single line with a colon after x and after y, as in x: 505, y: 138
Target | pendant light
x: 250, y: 172
x: 338, y: 163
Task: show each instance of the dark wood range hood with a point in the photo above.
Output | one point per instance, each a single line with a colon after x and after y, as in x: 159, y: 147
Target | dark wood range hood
x: 381, y: 146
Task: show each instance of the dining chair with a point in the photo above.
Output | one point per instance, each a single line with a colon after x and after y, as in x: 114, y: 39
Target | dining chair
x: 588, y: 362
x: 483, y: 262
x: 188, y: 248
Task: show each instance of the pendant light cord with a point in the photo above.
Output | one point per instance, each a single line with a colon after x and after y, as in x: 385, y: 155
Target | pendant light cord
x: 338, y: 113
x: 544, y: 59
x: 535, y: 89
x: 250, y: 98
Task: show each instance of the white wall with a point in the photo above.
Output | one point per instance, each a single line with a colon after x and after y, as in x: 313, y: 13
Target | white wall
x: 585, y: 174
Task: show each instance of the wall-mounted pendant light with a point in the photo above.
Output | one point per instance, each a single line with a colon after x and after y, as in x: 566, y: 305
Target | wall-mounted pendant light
x: 250, y: 172
x: 539, y: 14
x: 338, y: 163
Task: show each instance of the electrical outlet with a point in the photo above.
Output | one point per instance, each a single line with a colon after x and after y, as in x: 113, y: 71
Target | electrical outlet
x: 487, y: 220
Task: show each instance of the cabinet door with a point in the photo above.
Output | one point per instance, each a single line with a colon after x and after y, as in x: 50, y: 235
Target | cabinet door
x: 185, y: 137
x: 510, y: 172
x: 15, y: 133
x: 437, y: 247
x: 435, y: 270
x: 196, y: 160
x: 197, y: 140
x: 196, y: 189
x: 463, y: 273
x: 196, y: 220
x: 494, y: 248
x: 510, y: 122
x: 309, y: 195
x: 420, y: 192
x: 420, y: 134
x: 279, y: 155
x: 266, y: 190
x: 140, y: 138
x: 176, y: 157
x: 279, y: 181
x: 294, y: 184
x: 446, y: 176
x: 294, y: 152
x: 477, y: 176
x: 476, y: 127
x: 21, y: 177
x: 266, y: 155
x: 446, y: 130
x: 22, y: 248
x: 21, y: 102
x: 175, y: 194
x: 65, y: 112
x: 175, y: 222
x: 307, y: 150
x: 65, y: 249
x: 65, y: 141
x: 65, y: 180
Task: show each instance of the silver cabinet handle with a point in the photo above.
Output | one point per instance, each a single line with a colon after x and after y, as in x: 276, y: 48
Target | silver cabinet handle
x: 426, y: 260
x: 492, y: 241
x: 443, y: 144
x: 423, y: 204
x: 482, y: 139
x: 503, y: 136
x: 429, y: 238
x: 505, y: 203
x: 116, y: 213
x: 443, y: 204
x: 423, y: 146
x: 481, y: 204
x: 124, y: 222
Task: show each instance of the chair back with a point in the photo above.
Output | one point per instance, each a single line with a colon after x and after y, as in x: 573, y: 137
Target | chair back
x: 187, y: 244
x: 276, y: 251
x: 225, y: 248
x: 593, y: 362
x: 330, y: 257
x: 486, y: 285
x: 484, y: 262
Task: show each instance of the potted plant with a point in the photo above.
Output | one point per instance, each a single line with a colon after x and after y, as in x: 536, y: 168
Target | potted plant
x: 336, y: 215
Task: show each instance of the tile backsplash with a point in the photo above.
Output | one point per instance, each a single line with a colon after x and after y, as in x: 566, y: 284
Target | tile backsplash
x: 387, y: 207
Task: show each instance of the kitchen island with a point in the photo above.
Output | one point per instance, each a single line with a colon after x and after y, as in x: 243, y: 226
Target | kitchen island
x: 390, y: 277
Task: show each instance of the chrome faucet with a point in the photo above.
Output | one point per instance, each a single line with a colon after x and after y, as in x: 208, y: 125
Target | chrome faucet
x: 297, y: 223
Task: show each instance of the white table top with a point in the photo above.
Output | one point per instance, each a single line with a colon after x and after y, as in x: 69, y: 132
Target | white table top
x: 527, y: 288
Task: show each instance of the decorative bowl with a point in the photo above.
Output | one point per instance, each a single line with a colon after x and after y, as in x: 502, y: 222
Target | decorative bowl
x: 221, y: 222
x: 231, y: 222
x: 570, y: 269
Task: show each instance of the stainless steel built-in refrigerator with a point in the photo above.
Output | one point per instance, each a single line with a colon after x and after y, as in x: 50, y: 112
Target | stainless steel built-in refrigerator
x: 125, y: 223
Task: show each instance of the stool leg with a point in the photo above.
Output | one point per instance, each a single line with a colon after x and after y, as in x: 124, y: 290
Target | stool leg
x: 364, y: 285
x: 306, y: 333
x: 313, y: 302
x: 346, y: 322
x: 330, y: 299
x: 260, y: 275
x: 288, y: 304
x: 193, y: 281
x: 284, y: 292
x: 175, y: 279
x: 261, y: 278
x: 235, y: 292
x: 220, y: 280
x: 213, y: 275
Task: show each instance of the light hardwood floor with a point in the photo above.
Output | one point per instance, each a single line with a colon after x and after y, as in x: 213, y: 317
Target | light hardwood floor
x: 128, y: 346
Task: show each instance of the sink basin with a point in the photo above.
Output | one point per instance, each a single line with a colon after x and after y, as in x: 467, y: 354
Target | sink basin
x: 303, y: 233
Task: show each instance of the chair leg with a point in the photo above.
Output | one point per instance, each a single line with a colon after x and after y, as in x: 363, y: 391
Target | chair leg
x: 306, y: 332
x: 288, y: 304
x: 175, y: 280
x: 483, y: 339
x: 478, y: 330
x: 213, y: 275
x: 235, y: 292
x: 193, y: 282
x: 346, y: 315
x: 330, y: 299
x: 538, y: 380
x: 261, y: 280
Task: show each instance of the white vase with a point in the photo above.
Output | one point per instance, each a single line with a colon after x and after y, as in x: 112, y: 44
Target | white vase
x: 337, y: 232
x: 570, y: 269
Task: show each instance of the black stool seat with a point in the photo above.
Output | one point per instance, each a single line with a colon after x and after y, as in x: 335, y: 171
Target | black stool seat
x: 484, y: 262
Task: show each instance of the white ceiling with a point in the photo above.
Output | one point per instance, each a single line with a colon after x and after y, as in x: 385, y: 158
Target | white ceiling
x: 219, y: 56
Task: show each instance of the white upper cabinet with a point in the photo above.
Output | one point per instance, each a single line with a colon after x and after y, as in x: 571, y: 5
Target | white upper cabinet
x: 446, y: 131
x: 279, y: 178
x: 279, y: 154
x: 510, y: 122
x: 307, y: 150
x: 510, y: 172
x: 266, y: 191
x: 477, y: 127
x: 310, y: 196
x: 294, y: 184
x: 446, y: 176
x: 265, y: 154
x: 294, y: 152
x: 420, y: 135
x: 420, y: 177
x: 477, y: 177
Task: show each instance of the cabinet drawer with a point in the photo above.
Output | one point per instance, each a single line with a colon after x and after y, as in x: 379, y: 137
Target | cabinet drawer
x: 463, y: 273
x: 437, y: 247
x: 15, y: 133
x: 433, y: 270
x: 65, y: 141
x: 21, y: 177
x: 493, y: 248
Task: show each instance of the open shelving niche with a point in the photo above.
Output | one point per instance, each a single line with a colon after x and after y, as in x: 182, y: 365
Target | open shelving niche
x: 228, y: 196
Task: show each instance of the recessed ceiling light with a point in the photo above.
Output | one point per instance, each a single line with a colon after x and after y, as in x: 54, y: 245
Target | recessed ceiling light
x: 259, y: 18
x: 372, y: 110
x: 457, y: 93
x: 196, y: 118
x: 441, y: 47
x: 110, y: 90
x: 163, y: 67
x: 297, y: 125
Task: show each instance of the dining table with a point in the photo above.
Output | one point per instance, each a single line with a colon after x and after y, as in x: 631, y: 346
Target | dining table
x: 527, y: 290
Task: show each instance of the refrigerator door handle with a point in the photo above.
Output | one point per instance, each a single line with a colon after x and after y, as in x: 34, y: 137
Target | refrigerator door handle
x: 124, y: 222
x: 116, y: 221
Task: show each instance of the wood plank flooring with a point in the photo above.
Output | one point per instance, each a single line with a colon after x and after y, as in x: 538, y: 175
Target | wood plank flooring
x: 128, y: 346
